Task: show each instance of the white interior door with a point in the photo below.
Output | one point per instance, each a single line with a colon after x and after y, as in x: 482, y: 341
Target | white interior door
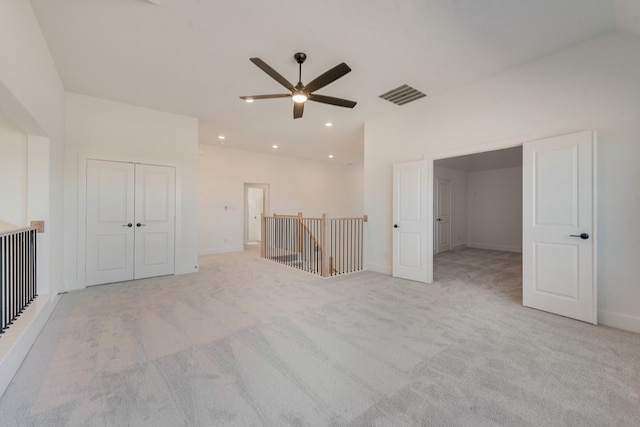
x: 155, y: 221
x: 443, y: 215
x: 255, y: 208
x: 110, y: 217
x: 130, y: 221
x: 559, y: 256
x: 411, y: 251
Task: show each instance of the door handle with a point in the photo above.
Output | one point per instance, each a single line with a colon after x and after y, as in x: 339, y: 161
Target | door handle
x: 396, y: 226
x: 127, y: 225
x: 583, y: 236
x: 141, y: 225
x: 438, y: 219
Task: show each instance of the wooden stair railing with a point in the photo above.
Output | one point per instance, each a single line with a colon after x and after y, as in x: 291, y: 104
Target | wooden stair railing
x: 324, y: 246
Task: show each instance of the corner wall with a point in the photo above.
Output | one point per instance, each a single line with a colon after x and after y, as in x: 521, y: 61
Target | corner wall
x: 594, y: 85
x: 494, y: 203
x: 13, y: 172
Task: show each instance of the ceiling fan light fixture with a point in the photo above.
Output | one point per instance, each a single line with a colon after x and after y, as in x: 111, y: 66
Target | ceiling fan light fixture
x: 301, y: 93
x: 299, y: 97
x: 249, y: 100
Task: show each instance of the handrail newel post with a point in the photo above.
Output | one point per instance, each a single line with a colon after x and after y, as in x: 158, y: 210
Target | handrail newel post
x: 263, y: 235
x: 299, y: 249
x: 323, y: 246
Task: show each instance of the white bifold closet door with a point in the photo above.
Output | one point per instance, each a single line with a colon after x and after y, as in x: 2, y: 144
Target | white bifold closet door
x: 130, y: 221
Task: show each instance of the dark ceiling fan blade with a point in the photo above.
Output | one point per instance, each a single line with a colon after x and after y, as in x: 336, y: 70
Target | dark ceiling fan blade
x: 273, y: 73
x: 298, y: 108
x: 330, y: 76
x: 332, y: 101
x: 280, y: 95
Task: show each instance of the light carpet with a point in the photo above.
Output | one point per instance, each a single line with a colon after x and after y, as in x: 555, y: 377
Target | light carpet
x: 249, y: 342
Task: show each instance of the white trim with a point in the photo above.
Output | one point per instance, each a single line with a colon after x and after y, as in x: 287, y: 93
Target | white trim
x: 594, y: 222
x: 480, y: 148
x: 378, y: 268
x: 220, y: 250
x: 494, y: 247
x: 18, y: 339
x: 620, y: 321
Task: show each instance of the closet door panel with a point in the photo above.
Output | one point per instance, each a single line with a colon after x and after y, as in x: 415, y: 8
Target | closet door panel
x: 110, y: 215
x: 155, y: 220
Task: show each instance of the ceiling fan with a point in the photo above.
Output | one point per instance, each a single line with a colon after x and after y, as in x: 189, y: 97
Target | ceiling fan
x: 301, y: 93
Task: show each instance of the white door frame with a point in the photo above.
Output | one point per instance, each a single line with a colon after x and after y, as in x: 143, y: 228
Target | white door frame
x: 265, y: 205
x: 81, y: 230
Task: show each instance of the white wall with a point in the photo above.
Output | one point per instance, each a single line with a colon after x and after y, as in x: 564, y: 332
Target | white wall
x: 101, y: 129
x: 594, y: 85
x: 295, y: 185
x: 32, y: 96
x: 458, y: 188
x: 494, y: 203
x: 13, y: 172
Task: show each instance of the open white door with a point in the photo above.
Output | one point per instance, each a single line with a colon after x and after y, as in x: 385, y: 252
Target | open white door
x: 256, y: 203
x: 411, y: 221
x: 255, y: 209
x: 559, y: 245
x: 443, y: 215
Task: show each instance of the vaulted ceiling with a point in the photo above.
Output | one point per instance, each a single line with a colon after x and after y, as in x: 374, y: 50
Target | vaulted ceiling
x: 191, y: 57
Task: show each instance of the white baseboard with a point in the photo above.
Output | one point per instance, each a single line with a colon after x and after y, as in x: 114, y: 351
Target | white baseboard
x: 187, y: 269
x: 494, y: 247
x: 378, y: 268
x: 220, y: 250
x: 620, y: 321
x: 18, y: 339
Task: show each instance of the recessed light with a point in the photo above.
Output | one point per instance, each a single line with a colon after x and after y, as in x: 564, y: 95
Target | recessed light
x: 328, y: 124
x: 331, y: 156
x: 274, y: 146
x: 249, y: 100
x: 220, y: 136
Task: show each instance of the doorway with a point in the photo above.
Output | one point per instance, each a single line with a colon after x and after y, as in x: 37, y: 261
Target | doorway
x: 556, y: 210
x: 256, y: 203
x: 478, y: 197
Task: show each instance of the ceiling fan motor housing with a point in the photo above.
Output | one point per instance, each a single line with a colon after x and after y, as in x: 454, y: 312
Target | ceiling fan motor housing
x: 300, y: 57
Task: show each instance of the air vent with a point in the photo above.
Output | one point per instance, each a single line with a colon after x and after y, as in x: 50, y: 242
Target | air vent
x: 402, y: 95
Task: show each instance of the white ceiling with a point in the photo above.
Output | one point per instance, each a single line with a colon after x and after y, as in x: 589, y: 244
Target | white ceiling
x: 191, y: 57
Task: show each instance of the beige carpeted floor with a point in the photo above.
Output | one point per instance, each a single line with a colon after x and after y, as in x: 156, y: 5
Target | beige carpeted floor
x: 250, y: 342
